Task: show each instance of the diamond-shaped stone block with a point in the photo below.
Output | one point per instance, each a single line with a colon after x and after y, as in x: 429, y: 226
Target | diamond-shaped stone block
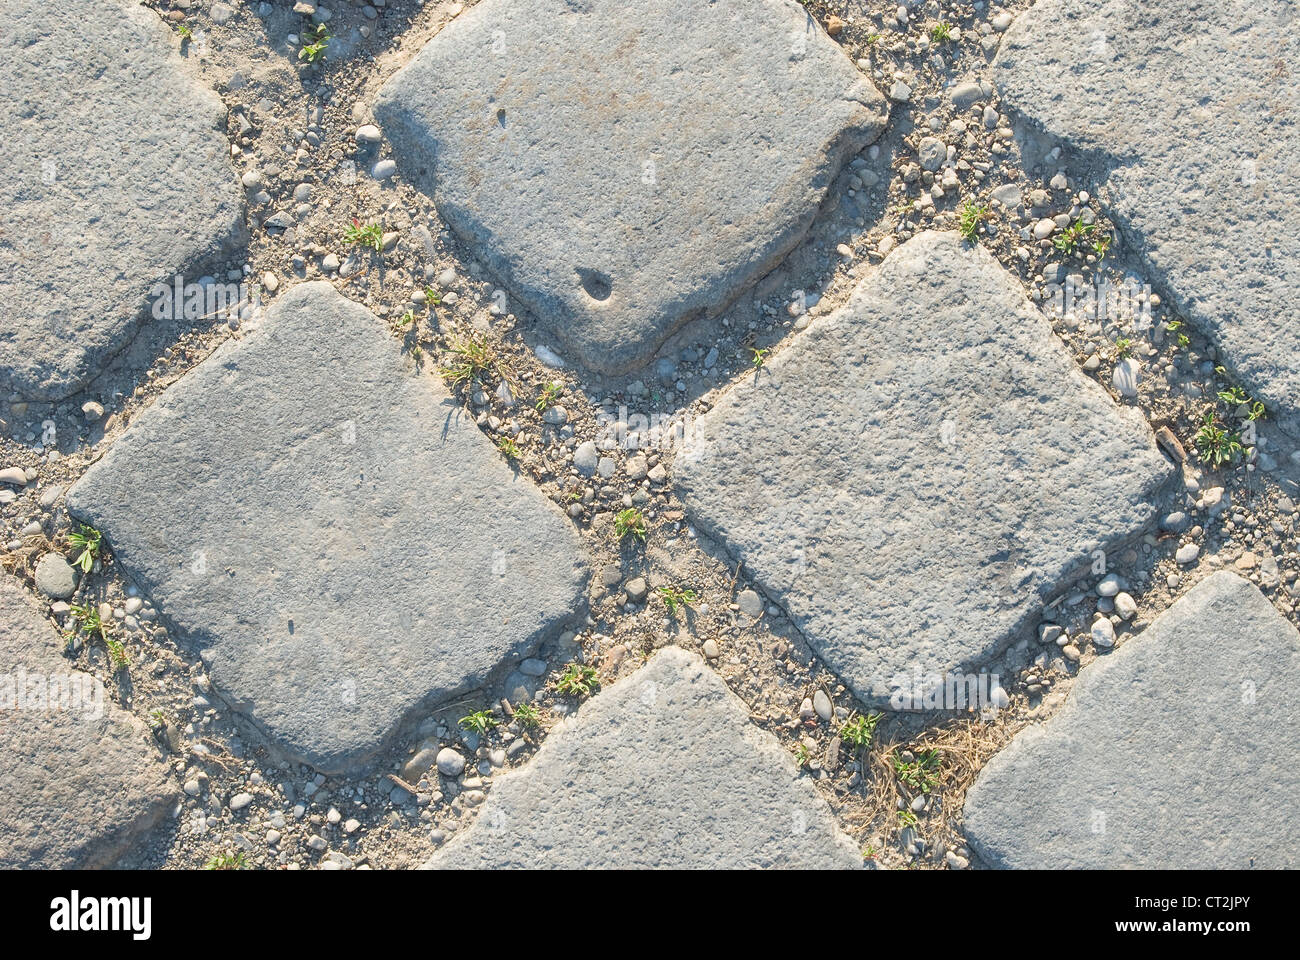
x: 914, y: 476
x: 662, y: 770
x: 1200, y: 128
x: 80, y: 779
x: 119, y: 178
x: 625, y: 165
x: 331, y: 530
x: 1178, y: 751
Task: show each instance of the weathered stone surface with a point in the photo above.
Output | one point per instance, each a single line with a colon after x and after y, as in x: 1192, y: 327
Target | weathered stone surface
x: 914, y: 476
x: 1199, y: 125
x: 1177, y: 751
x: 330, y: 530
x: 624, y: 165
x: 661, y: 770
x: 120, y: 178
x: 81, y: 781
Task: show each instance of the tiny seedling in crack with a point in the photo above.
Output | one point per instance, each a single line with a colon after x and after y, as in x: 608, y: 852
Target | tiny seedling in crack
x: 117, y: 654
x: 971, y: 216
x: 872, y: 39
x: 1100, y: 247
x: 186, y: 34
x: 577, y: 680
x: 801, y: 756
x: 471, y: 359
x: 908, y: 818
x: 369, y: 235
x: 760, y: 356
x: 480, y: 722
x: 1123, y: 348
x: 508, y: 446
x: 432, y: 297
x: 629, y: 523
x: 89, y: 541
x: 227, y: 861
x: 921, y: 773
x: 1234, y: 396
x: 675, y: 597
x: 868, y: 852
x: 859, y: 730
x: 315, y: 40
x: 528, y: 715
x: 550, y: 393
x: 1069, y: 239
x: 157, y: 720
x: 941, y: 32
x: 86, y: 620
x: 405, y: 320
x: 1257, y: 411
x: 1176, y: 327
x: 1215, y: 444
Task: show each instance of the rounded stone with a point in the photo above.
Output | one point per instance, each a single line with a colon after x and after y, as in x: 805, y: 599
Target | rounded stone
x: 55, y: 577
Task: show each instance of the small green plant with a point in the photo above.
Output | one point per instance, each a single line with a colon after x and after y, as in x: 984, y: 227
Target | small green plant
x: 872, y: 39
x: 1234, y: 396
x: 920, y: 773
x: 908, y: 818
x: 186, y: 34
x: 941, y: 32
x: 1101, y: 246
x: 859, y: 730
x: 89, y: 541
x: 972, y: 214
x: 1176, y: 327
x: 480, y: 722
x: 1069, y: 239
x: 508, y: 446
x: 315, y: 40
x: 801, y: 756
x: 432, y: 296
x: 868, y: 852
x: 550, y: 393
x: 86, y: 620
x: 1215, y: 444
x: 472, y: 358
x: 630, y: 523
x: 675, y: 597
x: 157, y: 719
x: 364, y: 235
x: 528, y: 715
x: 1124, y: 347
x: 760, y: 356
x: 405, y: 320
x: 577, y: 680
x: 227, y: 861
x: 1257, y: 411
x: 117, y: 653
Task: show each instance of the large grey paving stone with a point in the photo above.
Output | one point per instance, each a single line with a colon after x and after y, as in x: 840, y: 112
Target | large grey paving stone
x: 662, y: 770
x: 331, y: 530
x: 913, y: 477
x: 119, y: 178
x: 80, y: 778
x: 624, y: 165
x: 1179, y: 750
x: 1193, y: 106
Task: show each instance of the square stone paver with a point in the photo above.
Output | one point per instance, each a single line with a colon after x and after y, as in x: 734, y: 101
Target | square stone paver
x: 663, y: 770
x: 914, y: 476
x: 1178, y: 751
x: 330, y: 530
x: 80, y: 779
x: 119, y: 179
x: 1198, y: 115
x: 625, y: 165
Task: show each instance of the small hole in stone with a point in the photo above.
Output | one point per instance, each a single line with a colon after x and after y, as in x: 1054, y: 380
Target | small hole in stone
x: 501, y: 116
x: 597, y: 284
